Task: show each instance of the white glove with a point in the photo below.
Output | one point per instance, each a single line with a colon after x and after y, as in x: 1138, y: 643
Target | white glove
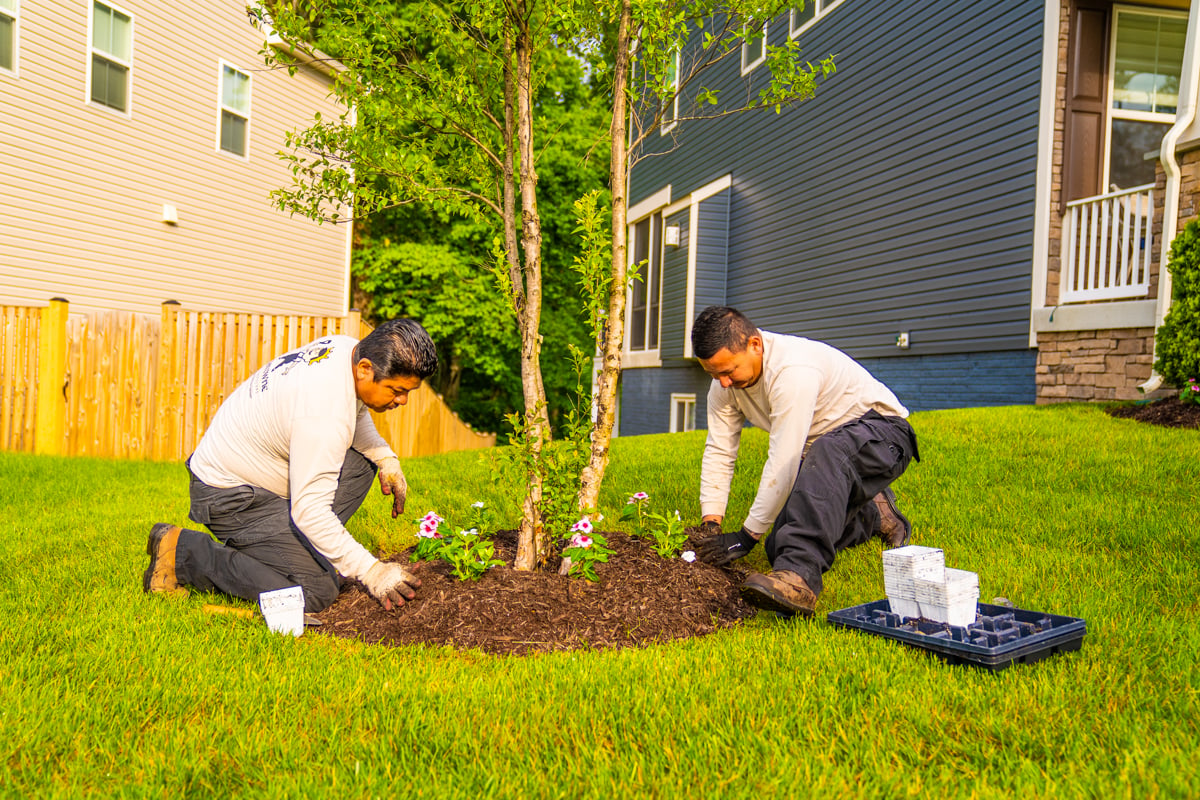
x: 390, y: 584
x: 391, y: 481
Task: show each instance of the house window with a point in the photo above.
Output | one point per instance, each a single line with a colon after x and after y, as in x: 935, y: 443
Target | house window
x: 1147, y: 59
x: 683, y: 412
x: 234, y: 123
x: 670, y: 113
x: 9, y: 23
x: 805, y: 14
x: 645, y: 300
x: 111, y: 56
x: 754, y: 46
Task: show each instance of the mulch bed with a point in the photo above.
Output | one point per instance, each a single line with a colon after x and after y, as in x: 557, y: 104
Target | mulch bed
x: 641, y: 598
x: 1168, y: 412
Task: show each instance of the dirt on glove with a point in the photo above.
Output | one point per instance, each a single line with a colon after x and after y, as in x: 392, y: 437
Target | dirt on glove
x: 641, y: 598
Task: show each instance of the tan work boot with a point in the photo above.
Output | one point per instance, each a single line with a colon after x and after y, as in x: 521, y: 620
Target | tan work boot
x: 894, y: 527
x: 782, y: 591
x: 160, y: 575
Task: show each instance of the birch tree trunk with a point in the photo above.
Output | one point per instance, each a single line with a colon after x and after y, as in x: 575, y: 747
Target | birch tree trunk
x: 529, y: 545
x: 613, y: 335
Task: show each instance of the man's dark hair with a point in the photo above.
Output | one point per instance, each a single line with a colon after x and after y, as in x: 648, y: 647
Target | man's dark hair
x: 721, y: 327
x: 398, y: 348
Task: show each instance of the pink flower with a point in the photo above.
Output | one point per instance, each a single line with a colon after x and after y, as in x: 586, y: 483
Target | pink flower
x: 433, y: 518
x: 428, y: 529
x: 637, y: 498
x: 581, y: 540
x: 583, y: 526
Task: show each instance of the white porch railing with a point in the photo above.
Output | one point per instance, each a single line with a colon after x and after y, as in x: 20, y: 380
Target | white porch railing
x: 1106, y: 246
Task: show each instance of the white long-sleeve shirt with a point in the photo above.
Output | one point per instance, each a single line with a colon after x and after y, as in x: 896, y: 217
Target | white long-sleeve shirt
x: 807, y: 388
x: 286, y: 429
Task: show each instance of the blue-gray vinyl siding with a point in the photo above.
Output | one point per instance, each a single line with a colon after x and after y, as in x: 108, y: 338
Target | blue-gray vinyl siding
x: 900, y: 198
x: 674, y: 296
x: 712, y: 251
x: 646, y: 397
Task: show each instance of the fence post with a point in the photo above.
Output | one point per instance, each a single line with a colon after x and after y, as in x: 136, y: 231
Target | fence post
x: 352, y: 324
x: 52, y: 379
x: 163, y: 422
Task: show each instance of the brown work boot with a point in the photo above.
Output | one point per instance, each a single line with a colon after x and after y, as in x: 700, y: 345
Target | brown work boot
x: 782, y: 591
x: 160, y: 575
x: 894, y: 527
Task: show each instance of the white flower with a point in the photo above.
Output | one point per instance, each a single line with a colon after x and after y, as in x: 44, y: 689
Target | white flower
x: 688, y: 556
x: 471, y: 532
x: 477, y: 504
x: 677, y: 513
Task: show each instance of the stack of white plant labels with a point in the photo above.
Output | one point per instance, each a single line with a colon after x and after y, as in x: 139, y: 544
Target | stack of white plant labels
x: 919, y: 585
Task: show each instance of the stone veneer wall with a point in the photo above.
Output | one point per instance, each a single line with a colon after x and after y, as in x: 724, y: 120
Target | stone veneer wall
x: 1076, y: 366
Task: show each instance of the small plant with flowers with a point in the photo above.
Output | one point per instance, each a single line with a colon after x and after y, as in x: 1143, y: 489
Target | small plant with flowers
x: 1190, y: 394
x: 586, y: 549
x: 666, y: 530
x: 469, y: 551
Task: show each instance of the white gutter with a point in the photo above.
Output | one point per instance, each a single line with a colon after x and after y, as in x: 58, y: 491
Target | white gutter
x: 1184, y: 117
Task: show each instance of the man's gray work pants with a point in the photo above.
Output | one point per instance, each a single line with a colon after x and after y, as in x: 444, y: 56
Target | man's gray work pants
x: 260, y: 547
x: 830, y: 507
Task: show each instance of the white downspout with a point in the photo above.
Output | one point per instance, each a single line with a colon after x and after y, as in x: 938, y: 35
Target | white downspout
x: 1185, y: 115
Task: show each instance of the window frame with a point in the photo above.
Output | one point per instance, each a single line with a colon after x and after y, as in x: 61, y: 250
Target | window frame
x: 688, y: 399
x: 222, y: 65
x: 1113, y: 114
x: 14, y: 15
x: 668, y: 125
x: 748, y: 66
x: 655, y: 249
x: 822, y: 7
x: 93, y: 51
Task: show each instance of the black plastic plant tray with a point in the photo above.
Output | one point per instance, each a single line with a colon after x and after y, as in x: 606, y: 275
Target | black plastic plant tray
x: 999, y: 636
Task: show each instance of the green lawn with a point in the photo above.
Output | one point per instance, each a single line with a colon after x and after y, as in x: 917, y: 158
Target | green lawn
x: 107, y: 692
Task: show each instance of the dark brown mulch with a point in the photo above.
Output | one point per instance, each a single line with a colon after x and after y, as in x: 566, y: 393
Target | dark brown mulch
x: 1169, y: 412
x: 641, y: 599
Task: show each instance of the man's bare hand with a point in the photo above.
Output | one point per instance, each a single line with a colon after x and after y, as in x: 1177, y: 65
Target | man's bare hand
x: 391, y: 584
x: 392, y: 482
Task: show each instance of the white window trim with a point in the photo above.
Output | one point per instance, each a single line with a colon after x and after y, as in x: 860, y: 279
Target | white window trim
x: 87, y: 83
x: 759, y: 43
x: 823, y: 8
x: 650, y: 357
x: 16, y: 18
x: 667, y: 127
x: 676, y: 399
x: 1111, y: 113
x: 221, y: 107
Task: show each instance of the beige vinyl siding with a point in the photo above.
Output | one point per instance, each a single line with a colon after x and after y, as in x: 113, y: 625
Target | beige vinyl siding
x: 83, y: 188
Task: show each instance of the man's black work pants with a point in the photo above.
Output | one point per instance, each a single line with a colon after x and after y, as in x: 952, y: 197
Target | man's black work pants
x: 830, y: 507
x: 260, y: 547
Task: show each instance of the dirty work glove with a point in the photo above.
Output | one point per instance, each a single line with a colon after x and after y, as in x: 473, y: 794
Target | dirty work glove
x: 725, y: 548
x: 710, y: 528
x: 391, y: 481
x: 390, y: 584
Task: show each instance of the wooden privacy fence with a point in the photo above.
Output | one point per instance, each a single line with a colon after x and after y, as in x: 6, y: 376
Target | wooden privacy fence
x: 124, y: 385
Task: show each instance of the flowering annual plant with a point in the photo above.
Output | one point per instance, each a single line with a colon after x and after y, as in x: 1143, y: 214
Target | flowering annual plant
x: 666, y: 531
x: 586, y: 549
x: 429, y: 540
x: 468, y: 552
x: 1191, y: 393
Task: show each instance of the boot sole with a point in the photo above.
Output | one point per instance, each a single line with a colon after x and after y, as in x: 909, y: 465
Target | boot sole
x: 890, y: 541
x: 770, y: 600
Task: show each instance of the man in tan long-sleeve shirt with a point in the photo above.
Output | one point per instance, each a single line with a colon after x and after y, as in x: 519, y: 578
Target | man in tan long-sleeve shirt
x: 838, y: 438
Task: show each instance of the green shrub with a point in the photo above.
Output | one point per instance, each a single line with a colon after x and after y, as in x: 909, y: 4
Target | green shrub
x: 1178, y: 340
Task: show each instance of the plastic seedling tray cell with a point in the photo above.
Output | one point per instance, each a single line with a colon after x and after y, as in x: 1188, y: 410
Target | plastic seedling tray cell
x: 1000, y: 636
